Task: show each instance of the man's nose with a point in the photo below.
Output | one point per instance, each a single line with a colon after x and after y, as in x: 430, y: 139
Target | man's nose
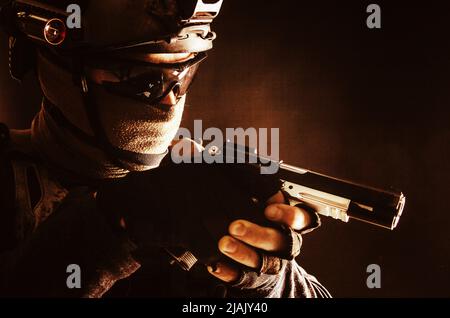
x: 172, y: 98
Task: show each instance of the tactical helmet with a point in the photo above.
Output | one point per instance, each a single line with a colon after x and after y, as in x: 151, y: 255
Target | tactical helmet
x: 153, y: 26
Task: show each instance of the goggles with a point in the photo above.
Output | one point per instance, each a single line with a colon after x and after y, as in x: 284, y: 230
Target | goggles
x: 147, y: 82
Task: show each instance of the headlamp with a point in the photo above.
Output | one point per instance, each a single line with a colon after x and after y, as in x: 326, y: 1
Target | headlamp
x: 42, y: 23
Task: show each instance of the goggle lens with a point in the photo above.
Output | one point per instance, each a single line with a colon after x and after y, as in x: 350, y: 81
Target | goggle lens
x: 151, y: 83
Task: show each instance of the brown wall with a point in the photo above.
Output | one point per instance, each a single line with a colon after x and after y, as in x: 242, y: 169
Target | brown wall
x: 355, y: 103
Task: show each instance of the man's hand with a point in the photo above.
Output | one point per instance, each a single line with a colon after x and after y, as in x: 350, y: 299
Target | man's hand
x: 246, y: 238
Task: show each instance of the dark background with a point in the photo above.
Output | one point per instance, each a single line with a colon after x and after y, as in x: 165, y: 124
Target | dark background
x: 366, y: 105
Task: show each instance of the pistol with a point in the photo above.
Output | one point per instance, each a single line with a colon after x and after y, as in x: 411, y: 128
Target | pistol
x: 329, y: 196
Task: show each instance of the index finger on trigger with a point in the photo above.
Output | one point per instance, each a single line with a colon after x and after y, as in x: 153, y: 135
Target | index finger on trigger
x: 294, y: 217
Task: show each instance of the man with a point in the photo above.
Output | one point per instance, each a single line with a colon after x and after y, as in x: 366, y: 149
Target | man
x: 90, y: 184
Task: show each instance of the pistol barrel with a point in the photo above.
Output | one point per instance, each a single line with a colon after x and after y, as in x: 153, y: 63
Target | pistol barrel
x: 343, y: 200
x: 329, y: 196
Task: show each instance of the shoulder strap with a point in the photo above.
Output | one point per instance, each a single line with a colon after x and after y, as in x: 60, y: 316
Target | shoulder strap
x: 34, y: 193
